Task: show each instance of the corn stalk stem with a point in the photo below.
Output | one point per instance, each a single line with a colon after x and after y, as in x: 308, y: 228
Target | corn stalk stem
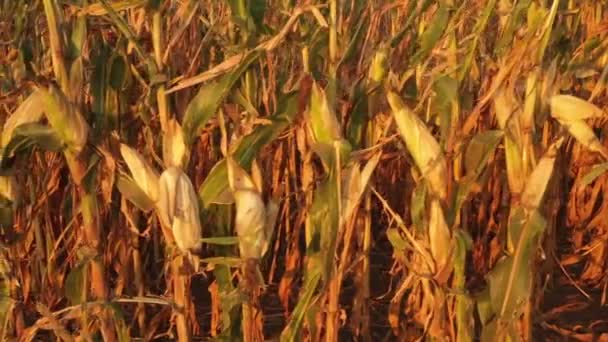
x: 336, y: 278
x: 92, y: 235
x: 365, y: 267
x: 180, y: 297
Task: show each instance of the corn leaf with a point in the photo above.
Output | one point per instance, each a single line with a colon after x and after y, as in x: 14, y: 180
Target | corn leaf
x: 479, y: 150
x: 208, y: 99
x: 594, y: 173
x: 74, y: 283
x: 433, y: 33
x: 133, y: 193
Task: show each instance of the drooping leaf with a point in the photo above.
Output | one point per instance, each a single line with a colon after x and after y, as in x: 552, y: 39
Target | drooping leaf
x: 27, y: 136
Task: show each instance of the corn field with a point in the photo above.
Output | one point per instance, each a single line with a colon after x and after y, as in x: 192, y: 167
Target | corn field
x: 340, y: 170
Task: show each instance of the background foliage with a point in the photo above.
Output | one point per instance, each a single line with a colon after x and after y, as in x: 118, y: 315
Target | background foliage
x: 437, y: 169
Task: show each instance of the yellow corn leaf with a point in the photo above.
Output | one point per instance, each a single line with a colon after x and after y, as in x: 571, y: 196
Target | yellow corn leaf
x: 30, y: 110
x: 143, y: 174
x: 422, y: 146
x: 539, y: 178
x: 508, y: 115
x: 439, y: 237
x: 354, y: 183
x: 174, y: 147
x: 568, y: 108
x: 178, y: 209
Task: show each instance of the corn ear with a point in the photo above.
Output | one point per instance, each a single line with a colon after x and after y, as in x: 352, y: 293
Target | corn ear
x: 324, y: 125
x: 251, y: 216
x: 143, y: 174
x: 178, y: 209
x: 571, y: 112
x: 568, y: 108
x: 422, y: 146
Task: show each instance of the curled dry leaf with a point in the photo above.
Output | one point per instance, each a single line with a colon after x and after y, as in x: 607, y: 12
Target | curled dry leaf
x: 422, y: 146
x: 145, y: 176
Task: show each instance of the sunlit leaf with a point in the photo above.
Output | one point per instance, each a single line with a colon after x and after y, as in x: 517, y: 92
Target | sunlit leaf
x: 132, y: 192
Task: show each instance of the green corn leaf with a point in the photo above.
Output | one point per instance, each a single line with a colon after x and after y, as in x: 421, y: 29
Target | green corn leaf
x: 74, y: 283
x: 27, y: 136
x: 433, y: 33
x: 479, y: 150
x: 595, y: 172
x: 208, y: 99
